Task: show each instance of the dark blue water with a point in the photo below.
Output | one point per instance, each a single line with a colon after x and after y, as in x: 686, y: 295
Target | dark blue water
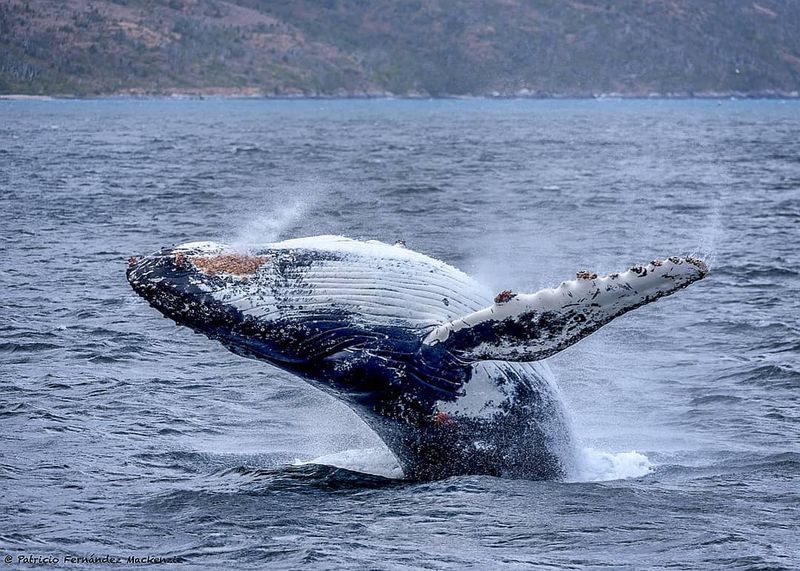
x: 123, y: 434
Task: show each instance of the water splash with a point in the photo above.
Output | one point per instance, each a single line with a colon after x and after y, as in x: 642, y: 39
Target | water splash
x: 589, y: 464
x: 374, y: 461
x: 592, y: 465
x: 277, y: 214
x: 268, y: 227
x: 711, y: 234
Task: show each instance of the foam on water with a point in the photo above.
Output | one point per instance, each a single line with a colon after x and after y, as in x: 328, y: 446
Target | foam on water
x: 592, y: 465
x: 375, y: 461
x: 589, y: 464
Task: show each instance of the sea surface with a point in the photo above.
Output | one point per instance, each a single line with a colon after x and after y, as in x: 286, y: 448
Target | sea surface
x: 122, y: 434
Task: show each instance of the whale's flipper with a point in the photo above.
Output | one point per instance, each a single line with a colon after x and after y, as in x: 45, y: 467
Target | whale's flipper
x: 530, y: 327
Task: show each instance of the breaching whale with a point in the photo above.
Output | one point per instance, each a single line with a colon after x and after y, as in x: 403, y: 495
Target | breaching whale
x: 450, y: 376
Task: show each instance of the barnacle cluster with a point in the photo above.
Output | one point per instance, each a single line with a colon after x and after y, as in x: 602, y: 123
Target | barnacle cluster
x: 505, y: 296
x: 234, y: 264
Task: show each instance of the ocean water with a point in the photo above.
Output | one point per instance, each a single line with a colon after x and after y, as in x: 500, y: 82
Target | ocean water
x: 125, y: 435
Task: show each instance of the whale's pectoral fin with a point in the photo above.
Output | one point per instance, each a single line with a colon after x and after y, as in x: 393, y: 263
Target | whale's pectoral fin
x: 529, y: 327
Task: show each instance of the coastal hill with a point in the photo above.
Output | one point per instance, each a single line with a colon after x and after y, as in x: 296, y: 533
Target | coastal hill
x: 401, y: 47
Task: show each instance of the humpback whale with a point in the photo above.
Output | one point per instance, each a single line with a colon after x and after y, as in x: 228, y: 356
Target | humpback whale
x: 451, y: 377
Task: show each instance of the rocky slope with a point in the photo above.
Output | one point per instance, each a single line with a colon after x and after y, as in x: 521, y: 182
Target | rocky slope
x: 404, y: 47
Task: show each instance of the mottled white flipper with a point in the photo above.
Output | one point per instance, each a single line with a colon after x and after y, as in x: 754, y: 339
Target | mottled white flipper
x: 529, y: 327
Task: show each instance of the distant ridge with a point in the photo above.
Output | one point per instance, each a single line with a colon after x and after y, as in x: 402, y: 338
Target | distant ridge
x: 324, y: 48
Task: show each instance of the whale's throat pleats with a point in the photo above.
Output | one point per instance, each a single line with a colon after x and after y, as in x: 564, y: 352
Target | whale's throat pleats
x: 372, y: 283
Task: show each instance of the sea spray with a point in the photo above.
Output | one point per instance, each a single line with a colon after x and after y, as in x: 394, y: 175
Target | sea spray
x: 267, y: 227
x: 276, y: 215
x: 378, y: 461
x: 592, y: 465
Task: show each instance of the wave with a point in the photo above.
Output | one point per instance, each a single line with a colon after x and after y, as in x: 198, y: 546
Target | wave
x: 302, y: 478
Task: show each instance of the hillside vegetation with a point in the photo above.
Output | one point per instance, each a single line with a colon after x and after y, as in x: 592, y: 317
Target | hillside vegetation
x: 402, y: 47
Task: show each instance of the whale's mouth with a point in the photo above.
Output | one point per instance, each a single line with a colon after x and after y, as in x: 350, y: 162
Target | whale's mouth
x: 190, y: 270
x: 184, y: 284
x: 163, y: 281
x: 180, y: 282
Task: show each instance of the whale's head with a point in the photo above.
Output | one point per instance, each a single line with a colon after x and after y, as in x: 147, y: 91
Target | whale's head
x: 197, y: 285
x: 257, y: 304
x: 182, y: 282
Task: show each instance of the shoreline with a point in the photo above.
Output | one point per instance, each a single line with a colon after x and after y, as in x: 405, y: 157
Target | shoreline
x: 219, y: 95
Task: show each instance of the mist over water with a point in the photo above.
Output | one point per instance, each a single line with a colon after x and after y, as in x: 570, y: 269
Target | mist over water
x: 150, y: 439
x: 273, y: 216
